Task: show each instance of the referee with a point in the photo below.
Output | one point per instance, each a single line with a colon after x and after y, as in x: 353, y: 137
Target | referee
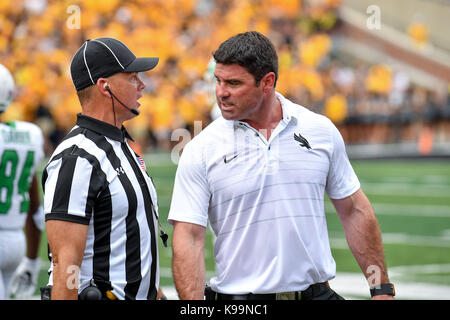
x: 100, y: 204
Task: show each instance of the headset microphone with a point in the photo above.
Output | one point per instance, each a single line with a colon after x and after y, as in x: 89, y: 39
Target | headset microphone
x: 133, y: 111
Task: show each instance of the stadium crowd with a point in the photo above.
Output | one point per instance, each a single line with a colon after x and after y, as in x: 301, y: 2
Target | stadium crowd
x: 369, y: 103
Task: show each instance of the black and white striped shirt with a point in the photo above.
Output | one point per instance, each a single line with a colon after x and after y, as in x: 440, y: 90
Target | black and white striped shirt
x: 95, y: 178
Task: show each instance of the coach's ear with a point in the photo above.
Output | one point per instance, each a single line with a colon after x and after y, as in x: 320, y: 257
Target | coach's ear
x: 102, y: 85
x: 268, y: 82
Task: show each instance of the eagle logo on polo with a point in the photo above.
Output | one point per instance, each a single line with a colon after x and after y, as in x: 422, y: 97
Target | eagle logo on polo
x: 302, y: 141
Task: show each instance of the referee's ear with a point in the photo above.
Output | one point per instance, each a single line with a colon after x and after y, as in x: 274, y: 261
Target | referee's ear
x: 102, y: 84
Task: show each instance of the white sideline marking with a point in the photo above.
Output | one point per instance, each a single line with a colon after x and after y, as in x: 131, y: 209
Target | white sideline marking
x: 416, y: 190
x: 351, y: 285
x: 354, y: 286
x: 339, y: 242
x: 419, y: 269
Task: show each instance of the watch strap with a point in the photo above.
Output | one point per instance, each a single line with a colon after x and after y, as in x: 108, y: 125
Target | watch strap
x: 385, y: 288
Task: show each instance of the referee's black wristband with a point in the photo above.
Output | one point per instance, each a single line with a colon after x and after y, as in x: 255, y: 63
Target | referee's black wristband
x: 385, y: 288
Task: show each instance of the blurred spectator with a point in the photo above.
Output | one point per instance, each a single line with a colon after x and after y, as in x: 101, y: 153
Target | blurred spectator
x: 336, y: 108
x: 418, y: 32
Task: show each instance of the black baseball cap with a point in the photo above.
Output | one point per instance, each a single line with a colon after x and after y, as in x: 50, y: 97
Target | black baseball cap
x: 102, y: 58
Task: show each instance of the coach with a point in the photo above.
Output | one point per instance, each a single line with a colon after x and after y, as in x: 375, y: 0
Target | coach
x: 259, y: 174
x: 99, y: 202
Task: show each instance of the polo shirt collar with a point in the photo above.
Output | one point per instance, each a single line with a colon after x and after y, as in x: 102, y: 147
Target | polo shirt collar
x: 103, y: 128
x: 289, y: 109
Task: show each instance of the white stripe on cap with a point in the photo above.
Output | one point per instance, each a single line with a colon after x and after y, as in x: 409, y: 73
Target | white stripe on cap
x: 110, y: 51
x: 85, y: 62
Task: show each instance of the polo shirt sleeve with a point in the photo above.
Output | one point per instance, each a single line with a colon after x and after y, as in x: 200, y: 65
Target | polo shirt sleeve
x: 190, y: 198
x: 342, y: 180
x: 72, y: 185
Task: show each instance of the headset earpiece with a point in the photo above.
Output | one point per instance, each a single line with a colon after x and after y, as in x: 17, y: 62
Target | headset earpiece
x: 133, y: 111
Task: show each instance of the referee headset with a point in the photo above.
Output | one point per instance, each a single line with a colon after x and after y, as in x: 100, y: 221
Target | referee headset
x: 162, y: 235
x: 113, y: 96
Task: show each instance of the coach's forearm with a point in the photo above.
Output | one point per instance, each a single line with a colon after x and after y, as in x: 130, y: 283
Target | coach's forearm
x: 363, y: 236
x: 188, y: 264
x: 364, y: 240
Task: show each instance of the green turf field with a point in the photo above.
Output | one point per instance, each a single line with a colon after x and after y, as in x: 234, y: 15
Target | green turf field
x: 412, y: 203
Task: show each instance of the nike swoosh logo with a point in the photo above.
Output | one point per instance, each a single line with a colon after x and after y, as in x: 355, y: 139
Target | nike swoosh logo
x: 230, y: 159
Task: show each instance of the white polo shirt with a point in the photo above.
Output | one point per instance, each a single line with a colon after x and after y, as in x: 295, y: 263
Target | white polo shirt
x: 265, y: 199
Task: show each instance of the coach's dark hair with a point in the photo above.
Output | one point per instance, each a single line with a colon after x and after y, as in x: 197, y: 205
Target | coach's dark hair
x: 251, y: 50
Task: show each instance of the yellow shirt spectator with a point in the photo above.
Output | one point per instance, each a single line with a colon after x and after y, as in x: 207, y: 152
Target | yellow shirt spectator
x: 379, y: 79
x: 418, y: 33
x: 312, y: 51
x: 336, y: 108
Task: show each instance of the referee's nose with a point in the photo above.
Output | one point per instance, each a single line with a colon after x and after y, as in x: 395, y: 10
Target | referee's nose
x: 141, y: 85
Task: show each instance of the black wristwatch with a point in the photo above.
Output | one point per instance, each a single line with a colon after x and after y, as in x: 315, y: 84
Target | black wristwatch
x: 385, y: 288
